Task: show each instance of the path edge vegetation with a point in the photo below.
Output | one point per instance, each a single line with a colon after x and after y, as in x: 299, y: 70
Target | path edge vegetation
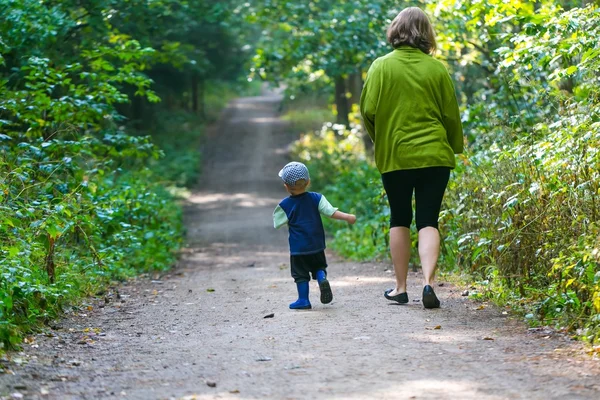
x: 102, y: 108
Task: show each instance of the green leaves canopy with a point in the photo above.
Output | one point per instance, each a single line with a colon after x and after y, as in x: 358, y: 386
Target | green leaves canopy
x: 335, y: 37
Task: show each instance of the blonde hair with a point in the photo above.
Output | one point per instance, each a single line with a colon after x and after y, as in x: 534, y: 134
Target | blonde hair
x: 299, y: 186
x: 412, y: 27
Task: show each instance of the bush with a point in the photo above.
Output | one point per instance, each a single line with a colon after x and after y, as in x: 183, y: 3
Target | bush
x: 526, y: 218
x: 77, y: 214
x: 78, y: 206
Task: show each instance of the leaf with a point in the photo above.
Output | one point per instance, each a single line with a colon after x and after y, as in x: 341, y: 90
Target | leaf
x: 210, y: 290
x: 53, y: 231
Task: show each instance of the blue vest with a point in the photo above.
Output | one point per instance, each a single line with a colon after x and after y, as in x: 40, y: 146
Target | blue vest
x: 307, y: 235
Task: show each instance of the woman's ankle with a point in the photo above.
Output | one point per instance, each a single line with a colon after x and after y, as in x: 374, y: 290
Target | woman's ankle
x: 397, y: 291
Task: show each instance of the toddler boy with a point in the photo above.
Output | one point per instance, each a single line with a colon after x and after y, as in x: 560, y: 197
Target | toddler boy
x: 302, y: 211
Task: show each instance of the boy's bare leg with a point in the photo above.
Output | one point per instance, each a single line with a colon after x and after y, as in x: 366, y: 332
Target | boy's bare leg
x: 400, y: 249
x: 429, y: 251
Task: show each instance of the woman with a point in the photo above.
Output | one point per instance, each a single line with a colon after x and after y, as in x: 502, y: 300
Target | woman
x: 410, y: 112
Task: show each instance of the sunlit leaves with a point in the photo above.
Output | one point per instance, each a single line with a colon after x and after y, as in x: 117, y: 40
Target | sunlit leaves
x: 337, y: 37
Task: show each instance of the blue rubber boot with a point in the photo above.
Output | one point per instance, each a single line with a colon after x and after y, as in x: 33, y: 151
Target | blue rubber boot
x: 324, y: 287
x: 303, y: 303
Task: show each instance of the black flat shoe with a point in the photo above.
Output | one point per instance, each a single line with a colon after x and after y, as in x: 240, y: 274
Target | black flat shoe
x: 401, y: 298
x: 430, y: 300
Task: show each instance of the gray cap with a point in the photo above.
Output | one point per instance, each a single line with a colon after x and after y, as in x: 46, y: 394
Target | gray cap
x: 293, y: 172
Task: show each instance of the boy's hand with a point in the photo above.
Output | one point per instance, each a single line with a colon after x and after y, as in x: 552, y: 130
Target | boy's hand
x: 351, y: 219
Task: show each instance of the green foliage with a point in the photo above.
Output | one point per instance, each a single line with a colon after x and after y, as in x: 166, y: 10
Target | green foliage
x: 81, y: 201
x: 78, y: 206
x: 525, y: 214
x: 335, y: 37
x: 178, y: 135
x: 319, y: 44
x: 76, y: 214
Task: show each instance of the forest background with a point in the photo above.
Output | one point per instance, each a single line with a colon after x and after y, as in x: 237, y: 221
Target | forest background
x: 103, y: 105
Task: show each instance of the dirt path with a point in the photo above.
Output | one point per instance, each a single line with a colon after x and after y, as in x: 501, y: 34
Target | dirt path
x: 201, y: 330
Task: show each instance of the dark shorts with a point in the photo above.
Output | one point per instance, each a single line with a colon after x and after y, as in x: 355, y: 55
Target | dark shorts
x: 305, y: 265
x: 428, y: 185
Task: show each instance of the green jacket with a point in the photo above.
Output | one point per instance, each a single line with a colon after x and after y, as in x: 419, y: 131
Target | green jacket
x: 410, y: 112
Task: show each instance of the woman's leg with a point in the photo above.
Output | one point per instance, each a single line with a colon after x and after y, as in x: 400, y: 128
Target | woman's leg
x: 399, y: 188
x: 429, y: 252
x: 400, y: 250
x: 429, y: 193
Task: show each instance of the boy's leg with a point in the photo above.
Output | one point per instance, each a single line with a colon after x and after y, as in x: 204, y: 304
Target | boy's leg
x: 301, y: 276
x: 320, y: 274
x: 303, y: 303
x: 326, y: 293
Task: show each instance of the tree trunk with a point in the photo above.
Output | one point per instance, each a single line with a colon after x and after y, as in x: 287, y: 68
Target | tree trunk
x: 341, y: 101
x: 194, y: 92
x: 355, y: 85
x: 198, y: 103
x: 50, y: 259
x: 137, y: 103
x: 201, y: 98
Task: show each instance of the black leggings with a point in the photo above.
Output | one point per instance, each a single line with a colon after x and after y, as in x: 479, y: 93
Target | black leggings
x: 429, y: 185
